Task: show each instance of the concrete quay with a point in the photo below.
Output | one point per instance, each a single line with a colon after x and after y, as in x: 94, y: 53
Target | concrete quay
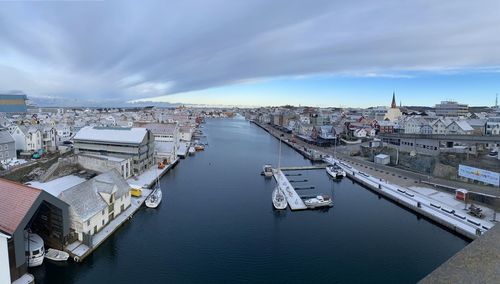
x: 79, y: 251
x: 479, y: 262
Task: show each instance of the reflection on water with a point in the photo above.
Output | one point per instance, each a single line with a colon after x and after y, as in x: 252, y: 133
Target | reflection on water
x: 216, y: 224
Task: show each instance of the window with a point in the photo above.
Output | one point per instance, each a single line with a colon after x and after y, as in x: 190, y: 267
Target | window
x: 103, y: 211
x: 6, y: 154
x: 6, y: 147
x: 88, y: 222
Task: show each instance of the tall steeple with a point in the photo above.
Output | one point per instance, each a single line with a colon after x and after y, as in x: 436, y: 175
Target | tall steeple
x: 393, y: 104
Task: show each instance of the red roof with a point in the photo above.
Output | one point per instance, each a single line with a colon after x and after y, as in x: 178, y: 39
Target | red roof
x: 15, y: 201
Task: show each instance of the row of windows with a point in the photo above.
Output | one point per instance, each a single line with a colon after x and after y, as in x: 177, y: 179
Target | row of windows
x: 6, y: 155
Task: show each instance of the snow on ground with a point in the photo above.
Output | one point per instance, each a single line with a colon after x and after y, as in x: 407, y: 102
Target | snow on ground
x: 12, y: 162
x: 58, y: 185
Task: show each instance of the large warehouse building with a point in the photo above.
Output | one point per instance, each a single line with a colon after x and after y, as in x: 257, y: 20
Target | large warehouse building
x: 13, y: 103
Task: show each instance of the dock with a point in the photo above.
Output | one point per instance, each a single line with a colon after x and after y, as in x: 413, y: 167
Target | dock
x: 78, y: 251
x: 304, y: 168
x: 293, y: 199
x: 441, y: 213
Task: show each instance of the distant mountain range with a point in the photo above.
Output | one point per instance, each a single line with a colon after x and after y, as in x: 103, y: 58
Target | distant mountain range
x: 63, y: 102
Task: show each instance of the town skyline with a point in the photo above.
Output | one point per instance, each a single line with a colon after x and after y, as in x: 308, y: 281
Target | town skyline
x: 295, y: 54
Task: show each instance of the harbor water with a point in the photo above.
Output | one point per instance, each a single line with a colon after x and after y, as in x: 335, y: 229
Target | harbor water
x: 216, y: 224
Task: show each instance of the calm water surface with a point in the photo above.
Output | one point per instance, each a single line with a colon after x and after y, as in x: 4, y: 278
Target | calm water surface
x: 216, y: 224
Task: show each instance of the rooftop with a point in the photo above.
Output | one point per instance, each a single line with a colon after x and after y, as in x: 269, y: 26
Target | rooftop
x: 16, y: 201
x: 134, y: 135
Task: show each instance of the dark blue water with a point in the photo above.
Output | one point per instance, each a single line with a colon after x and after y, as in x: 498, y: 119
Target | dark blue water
x: 216, y: 225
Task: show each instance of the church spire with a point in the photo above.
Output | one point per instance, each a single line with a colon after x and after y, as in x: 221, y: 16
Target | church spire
x: 393, y: 104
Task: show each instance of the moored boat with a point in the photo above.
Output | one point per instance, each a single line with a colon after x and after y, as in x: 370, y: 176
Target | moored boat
x: 279, y: 200
x: 34, y: 249
x: 154, y: 198
x: 319, y: 201
x: 56, y: 255
x: 267, y: 171
x: 191, y: 150
x: 199, y: 147
x: 335, y: 171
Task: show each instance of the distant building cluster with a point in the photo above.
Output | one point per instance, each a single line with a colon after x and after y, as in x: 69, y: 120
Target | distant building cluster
x: 327, y: 126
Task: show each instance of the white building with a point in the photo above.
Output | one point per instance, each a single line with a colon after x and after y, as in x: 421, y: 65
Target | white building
x: 451, y: 108
x: 4, y: 259
x: 94, y: 203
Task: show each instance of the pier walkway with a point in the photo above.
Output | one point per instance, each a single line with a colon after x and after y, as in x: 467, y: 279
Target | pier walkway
x: 303, y: 168
x: 293, y: 199
x: 79, y: 251
x: 458, y: 221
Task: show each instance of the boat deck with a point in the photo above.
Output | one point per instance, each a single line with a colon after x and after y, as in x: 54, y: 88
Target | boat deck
x: 293, y: 199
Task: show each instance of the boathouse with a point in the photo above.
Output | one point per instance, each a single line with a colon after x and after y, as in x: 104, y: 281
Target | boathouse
x: 26, y: 209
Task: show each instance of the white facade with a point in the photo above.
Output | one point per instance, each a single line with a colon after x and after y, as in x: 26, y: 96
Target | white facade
x: 4, y: 259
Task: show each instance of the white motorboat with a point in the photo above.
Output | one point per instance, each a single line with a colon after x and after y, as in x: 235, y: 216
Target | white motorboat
x: 335, y: 171
x: 267, y: 171
x: 56, y: 255
x: 319, y: 201
x: 34, y: 249
x: 154, y: 198
x: 279, y: 200
x: 191, y: 150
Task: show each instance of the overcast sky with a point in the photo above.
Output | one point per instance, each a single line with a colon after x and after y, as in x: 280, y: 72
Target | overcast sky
x: 253, y: 52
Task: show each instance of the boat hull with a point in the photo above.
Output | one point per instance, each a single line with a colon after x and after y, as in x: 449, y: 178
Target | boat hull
x: 154, y: 201
x: 279, y: 200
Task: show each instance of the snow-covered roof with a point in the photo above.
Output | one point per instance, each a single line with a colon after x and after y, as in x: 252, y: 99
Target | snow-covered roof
x: 85, y: 199
x: 464, y: 125
x: 133, y: 135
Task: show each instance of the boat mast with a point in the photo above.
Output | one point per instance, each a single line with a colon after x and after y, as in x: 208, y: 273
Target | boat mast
x: 279, y: 154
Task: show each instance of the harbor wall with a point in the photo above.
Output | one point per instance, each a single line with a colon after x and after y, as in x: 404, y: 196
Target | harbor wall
x: 417, y: 204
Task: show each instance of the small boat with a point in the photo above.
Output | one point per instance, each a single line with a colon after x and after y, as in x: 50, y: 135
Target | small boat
x: 34, y: 249
x: 199, y: 147
x: 335, y: 171
x: 319, y: 201
x: 154, y: 198
x: 267, y: 171
x: 191, y: 150
x: 279, y: 200
x: 56, y: 255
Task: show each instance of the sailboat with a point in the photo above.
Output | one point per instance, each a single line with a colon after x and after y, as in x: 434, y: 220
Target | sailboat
x: 154, y: 198
x: 279, y: 200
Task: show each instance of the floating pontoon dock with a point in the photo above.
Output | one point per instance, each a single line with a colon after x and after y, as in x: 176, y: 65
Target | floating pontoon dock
x: 303, y: 168
x: 293, y: 199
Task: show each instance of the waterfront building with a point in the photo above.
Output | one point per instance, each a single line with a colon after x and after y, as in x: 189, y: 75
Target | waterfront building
x: 134, y: 143
x: 96, y: 202
x: 101, y: 163
x: 25, y: 209
x: 13, y: 103
x: 451, y: 109
x: 394, y: 112
x: 7, y: 145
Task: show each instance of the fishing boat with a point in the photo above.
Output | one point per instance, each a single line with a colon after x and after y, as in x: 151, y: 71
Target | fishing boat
x: 267, y: 171
x: 335, y: 171
x: 279, y: 200
x: 56, y: 255
x: 319, y: 201
x: 191, y: 150
x: 34, y: 249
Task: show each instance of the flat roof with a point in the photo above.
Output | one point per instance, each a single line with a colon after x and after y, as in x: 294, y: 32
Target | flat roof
x: 130, y: 135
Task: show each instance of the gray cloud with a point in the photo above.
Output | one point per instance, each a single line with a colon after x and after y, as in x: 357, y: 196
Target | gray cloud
x: 140, y: 49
